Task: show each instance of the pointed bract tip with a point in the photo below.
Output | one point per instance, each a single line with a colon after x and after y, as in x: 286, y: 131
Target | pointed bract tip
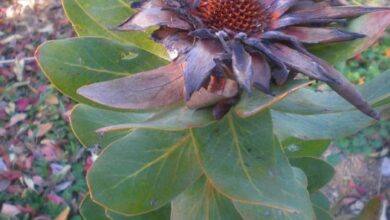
x: 375, y: 115
x: 351, y: 35
x: 222, y: 108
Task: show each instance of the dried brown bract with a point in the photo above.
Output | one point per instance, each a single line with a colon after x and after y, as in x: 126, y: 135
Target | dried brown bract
x: 221, y: 47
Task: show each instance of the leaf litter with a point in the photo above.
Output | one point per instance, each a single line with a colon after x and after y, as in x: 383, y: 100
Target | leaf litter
x: 42, y: 165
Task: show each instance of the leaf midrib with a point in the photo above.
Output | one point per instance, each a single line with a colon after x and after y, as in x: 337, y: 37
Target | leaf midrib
x: 240, y: 157
x: 171, y: 150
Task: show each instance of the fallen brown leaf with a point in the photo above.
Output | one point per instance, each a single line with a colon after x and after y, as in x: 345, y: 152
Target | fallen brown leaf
x: 50, y: 151
x: 3, y: 132
x: 9, y: 210
x: 4, y: 185
x: 44, y: 128
x: 28, y: 182
x: 15, y: 119
x: 51, y: 100
x: 64, y: 214
x: 387, y: 53
x: 54, y: 198
x: 38, y: 180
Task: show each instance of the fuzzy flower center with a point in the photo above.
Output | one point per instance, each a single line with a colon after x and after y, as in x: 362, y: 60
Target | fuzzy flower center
x: 246, y: 16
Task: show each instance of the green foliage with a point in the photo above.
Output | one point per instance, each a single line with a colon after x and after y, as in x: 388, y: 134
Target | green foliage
x: 92, y: 211
x: 369, y: 64
x: 294, y: 147
x: 203, y: 201
x: 243, y: 166
x: 156, y: 160
x: 365, y: 68
x: 260, y: 170
x: 69, y: 63
x: 320, y: 200
x: 97, y: 18
x: 89, y: 208
x: 318, y: 172
x: 366, y: 141
x: 372, y: 210
x: 369, y: 25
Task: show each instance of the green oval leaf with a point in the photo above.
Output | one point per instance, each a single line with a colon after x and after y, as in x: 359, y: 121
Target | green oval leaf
x: 244, y: 162
x: 308, y: 101
x: 99, y: 17
x: 92, y: 211
x: 317, y: 171
x: 372, y: 25
x: 202, y: 201
x: 310, y: 115
x: 320, y: 200
x: 143, y: 171
x: 72, y: 63
x: 93, y: 126
x: 294, y: 147
x: 322, y: 126
x: 250, y: 211
x: 322, y: 214
x: 372, y: 210
x: 163, y: 213
x: 85, y: 120
x: 174, y: 118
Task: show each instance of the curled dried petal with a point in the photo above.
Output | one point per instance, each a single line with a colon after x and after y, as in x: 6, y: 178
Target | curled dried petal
x: 146, y: 90
x: 301, y: 62
x: 313, y: 35
x: 261, y: 73
x: 217, y: 91
x: 200, y: 63
x: 242, y: 66
x: 151, y: 17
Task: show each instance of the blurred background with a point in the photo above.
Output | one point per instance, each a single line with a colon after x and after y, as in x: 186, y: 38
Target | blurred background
x: 42, y: 165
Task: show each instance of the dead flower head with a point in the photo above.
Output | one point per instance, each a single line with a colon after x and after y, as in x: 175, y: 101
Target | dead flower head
x: 221, y: 47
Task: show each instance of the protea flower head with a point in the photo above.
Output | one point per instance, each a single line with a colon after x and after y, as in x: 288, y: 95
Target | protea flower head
x: 220, y: 48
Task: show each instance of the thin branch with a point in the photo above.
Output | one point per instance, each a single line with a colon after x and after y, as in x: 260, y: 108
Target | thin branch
x: 12, y: 61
